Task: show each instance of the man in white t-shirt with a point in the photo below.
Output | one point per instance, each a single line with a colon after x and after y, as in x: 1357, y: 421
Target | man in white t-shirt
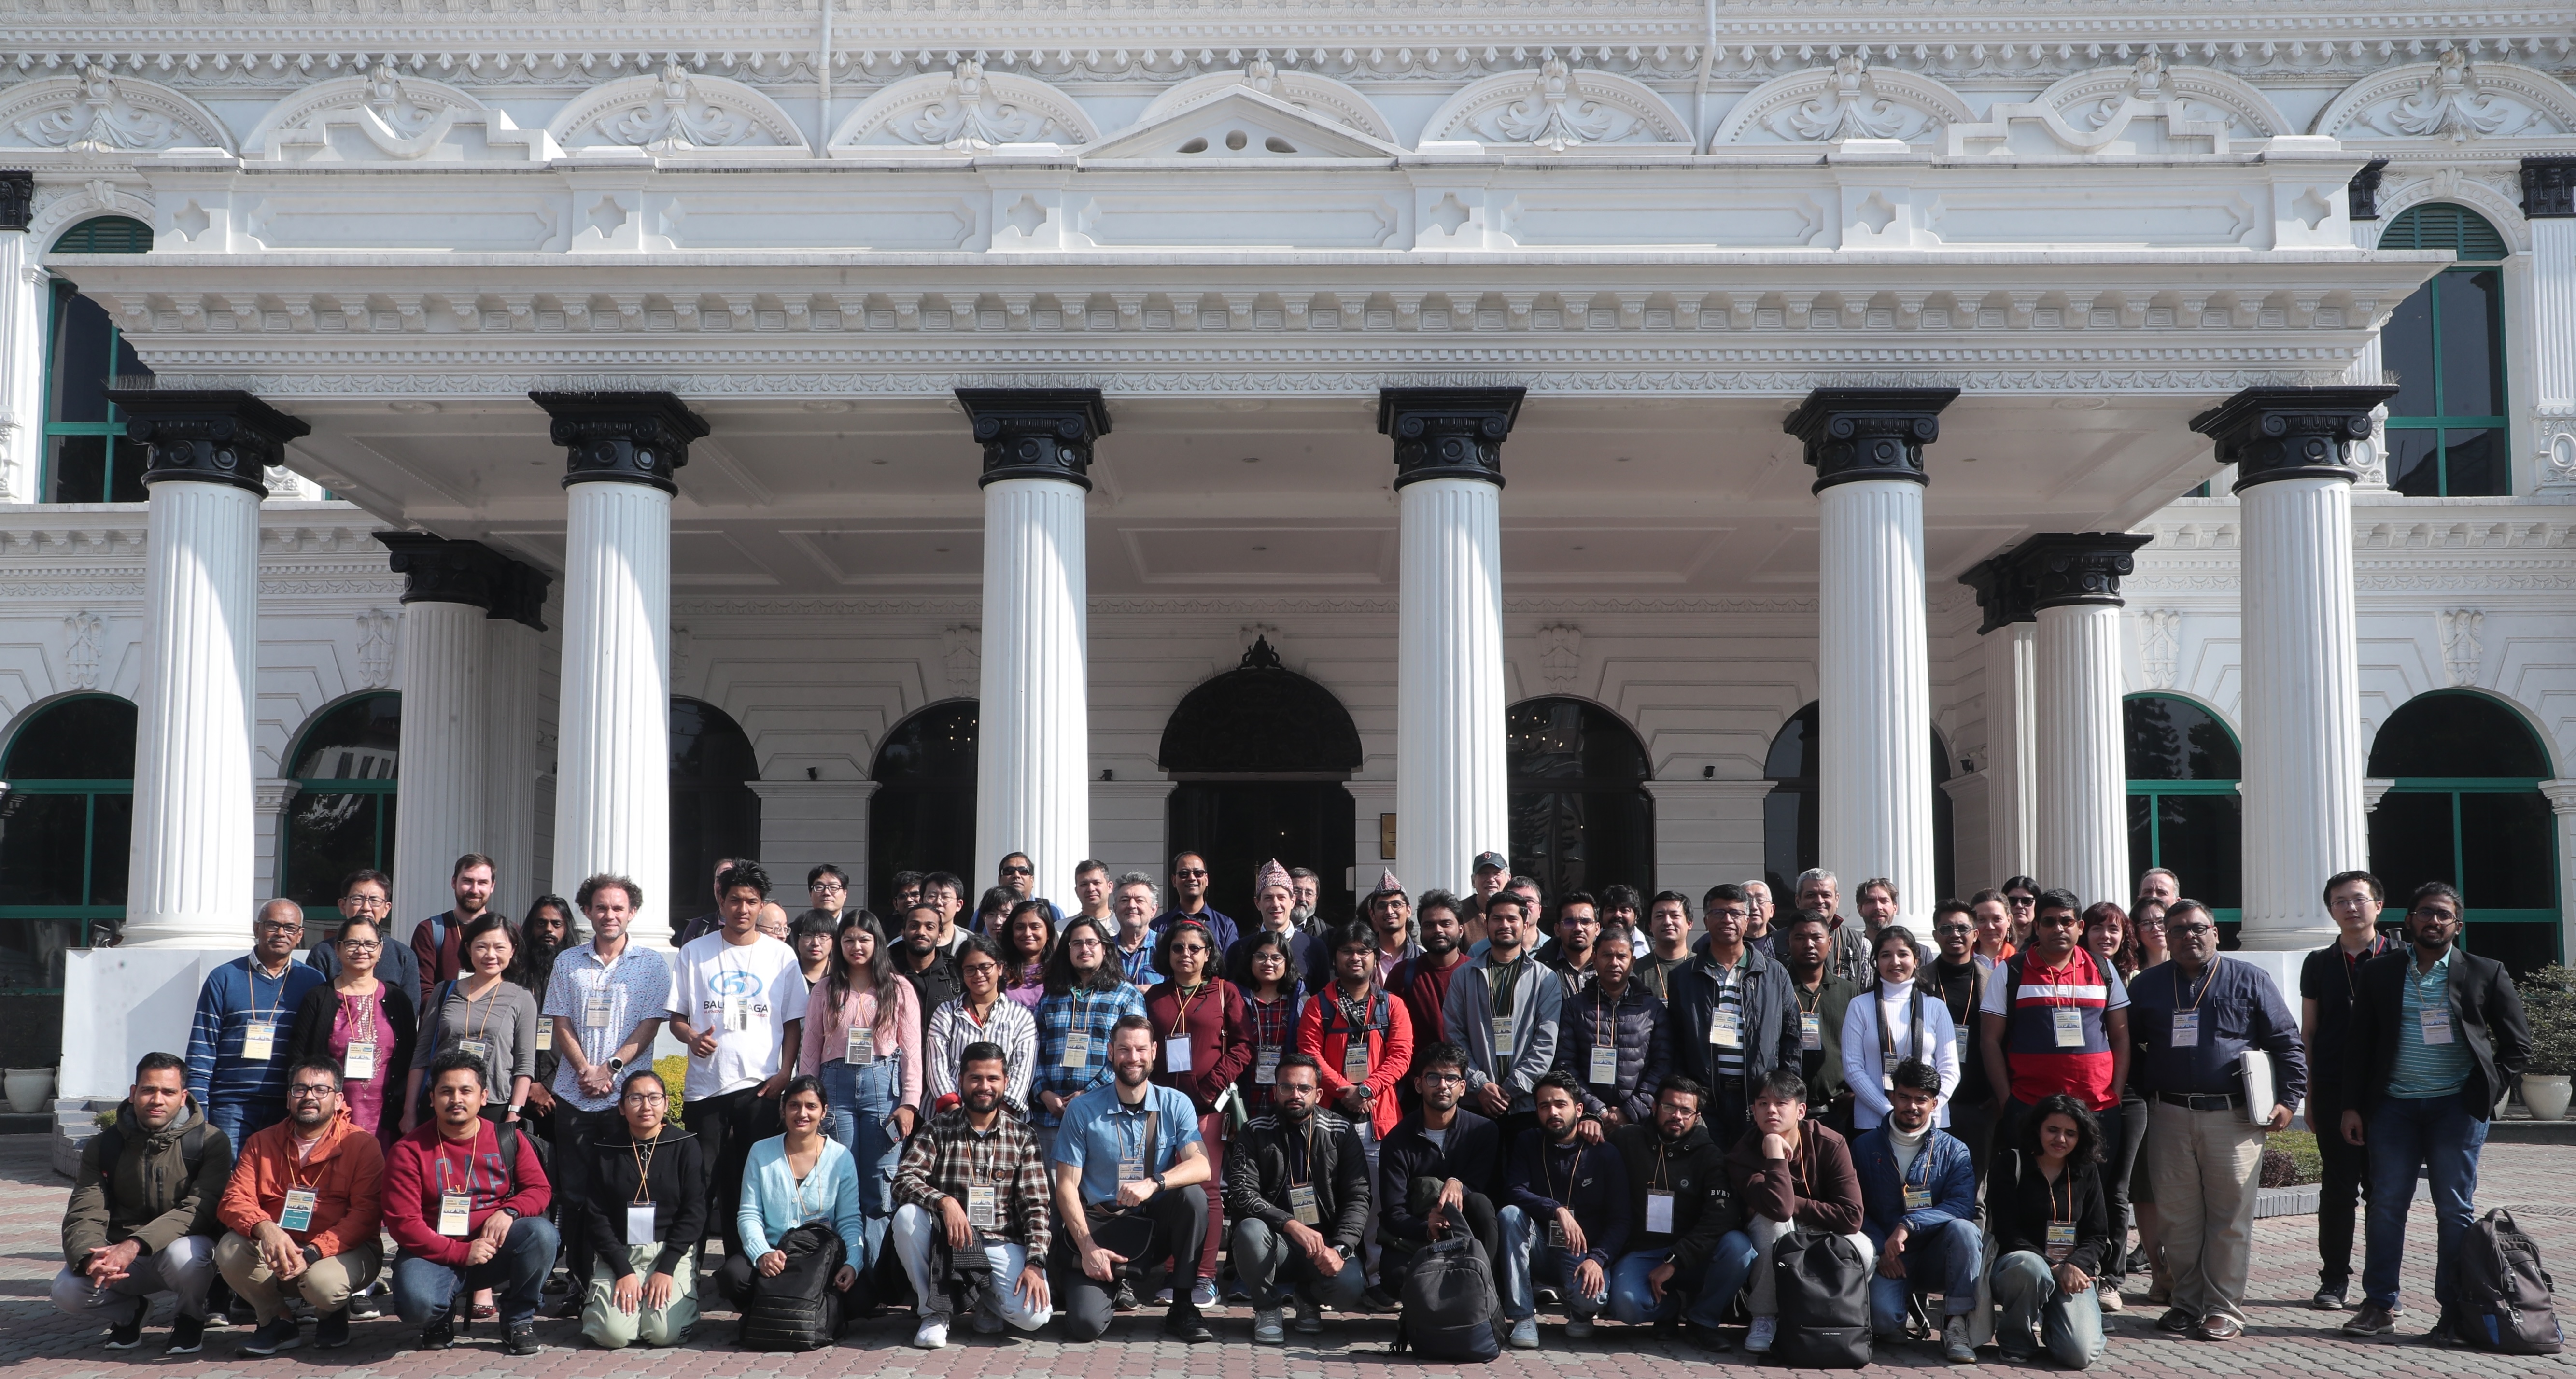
x: 737, y: 1001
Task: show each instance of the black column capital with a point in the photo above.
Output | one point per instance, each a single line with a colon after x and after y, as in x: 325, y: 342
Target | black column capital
x: 1448, y: 433
x: 1868, y: 433
x: 2003, y: 595
x: 519, y: 594
x: 212, y: 436
x: 2059, y: 569
x: 624, y: 438
x: 17, y: 198
x: 2363, y: 191
x: 2549, y: 188
x: 1036, y: 433
x: 2291, y: 433
x: 437, y: 570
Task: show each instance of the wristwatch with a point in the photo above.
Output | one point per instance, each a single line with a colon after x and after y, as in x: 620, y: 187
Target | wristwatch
x: 1160, y: 1185
x: 617, y: 1065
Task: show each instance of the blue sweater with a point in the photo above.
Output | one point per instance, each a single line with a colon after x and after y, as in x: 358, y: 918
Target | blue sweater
x: 1943, y: 1169
x: 233, y: 998
x: 770, y: 1197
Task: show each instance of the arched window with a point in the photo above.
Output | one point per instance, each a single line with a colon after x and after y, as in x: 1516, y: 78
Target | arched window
x: 1790, y: 830
x: 1581, y: 817
x: 2184, y: 812
x: 65, y: 826
x: 1259, y: 755
x: 922, y: 817
x: 714, y: 813
x: 342, y: 817
x: 87, y: 456
x: 2445, y: 351
x: 2466, y: 808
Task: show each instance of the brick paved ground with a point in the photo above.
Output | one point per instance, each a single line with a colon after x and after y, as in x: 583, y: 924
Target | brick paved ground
x: 2285, y: 1338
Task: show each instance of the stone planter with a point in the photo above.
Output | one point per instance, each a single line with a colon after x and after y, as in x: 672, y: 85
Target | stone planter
x: 2545, y: 1093
x: 32, y: 1089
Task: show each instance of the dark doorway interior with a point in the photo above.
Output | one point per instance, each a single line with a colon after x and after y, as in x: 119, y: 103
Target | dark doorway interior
x: 1259, y: 755
x: 1239, y: 824
x: 923, y: 815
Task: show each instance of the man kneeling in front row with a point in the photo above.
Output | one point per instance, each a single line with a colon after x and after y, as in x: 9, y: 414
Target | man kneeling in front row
x: 973, y: 1175
x: 301, y: 1211
x: 465, y: 1215
x: 1918, y: 1188
x: 1790, y: 1171
x: 1297, y: 1191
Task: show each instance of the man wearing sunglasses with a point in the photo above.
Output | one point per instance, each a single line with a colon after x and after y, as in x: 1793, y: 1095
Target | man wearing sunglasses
x: 1018, y: 876
x: 1189, y: 901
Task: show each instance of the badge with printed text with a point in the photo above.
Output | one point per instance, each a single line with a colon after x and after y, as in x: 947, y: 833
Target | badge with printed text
x: 983, y: 1207
x: 860, y: 1047
x: 1301, y: 1204
x: 259, y: 1041
x: 1724, y: 1029
x: 359, y: 1063
x: 2186, y: 1029
x: 1811, y: 1031
x: 1077, y: 1051
x: 1176, y: 1054
x: 476, y: 1048
x: 1605, y: 1068
x: 2069, y: 1025
x: 298, y: 1213
x: 545, y: 1036
x: 2437, y: 1025
x: 454, y: 1211
x: 2061, y: 1241
x: 1355, y: 1059
x: 1265, y: 1065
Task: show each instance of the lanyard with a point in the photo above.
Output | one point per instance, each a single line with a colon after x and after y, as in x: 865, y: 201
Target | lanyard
x: 643, y: 1169
x: 1599, y: 1037
x: 444, y: 1177
x: 1887, y: 1036
x: 2205, y: 979
x: 1547, y: 1171
x: 1186, y: 997
x: 1304, y: 1173
x: 258, y: 1015
x: 2066, y: 1176
x: 1502, y: 983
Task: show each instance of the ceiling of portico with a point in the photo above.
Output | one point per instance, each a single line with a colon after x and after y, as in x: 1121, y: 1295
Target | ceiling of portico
x: 1682, y: 496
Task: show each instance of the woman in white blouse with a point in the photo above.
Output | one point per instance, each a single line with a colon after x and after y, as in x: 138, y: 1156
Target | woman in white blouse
x: 1891, y: 1022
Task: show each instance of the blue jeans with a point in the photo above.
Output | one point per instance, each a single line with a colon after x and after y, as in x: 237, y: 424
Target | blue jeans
x: 2441, y: 1136
x: 2069, y: 1324
x: 1710, y: 1285
x: 425, y: 1288
x: 1525, y: 1251
x: 1943, y: 1259
x: 240, y: 1119
x: 1273, y: 1269
x: 858, y: 1110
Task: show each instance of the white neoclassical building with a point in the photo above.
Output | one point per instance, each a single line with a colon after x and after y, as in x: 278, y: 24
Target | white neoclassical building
x: 1669, y: 444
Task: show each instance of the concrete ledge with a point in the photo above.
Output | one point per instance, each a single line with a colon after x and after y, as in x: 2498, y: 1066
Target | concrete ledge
x: 2523, y: 1130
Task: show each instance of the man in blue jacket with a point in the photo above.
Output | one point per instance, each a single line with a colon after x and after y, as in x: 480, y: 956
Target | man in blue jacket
x: 1564, y: 1217
x: 237, y: 1045
x: 1918, y: 1191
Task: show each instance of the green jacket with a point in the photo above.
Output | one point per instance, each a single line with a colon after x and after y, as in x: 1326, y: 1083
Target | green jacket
x: 147, y: 1194
x: 1824, y: 1064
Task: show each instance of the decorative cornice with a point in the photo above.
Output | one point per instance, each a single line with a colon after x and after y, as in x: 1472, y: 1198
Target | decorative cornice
x: 615, y: 436
x: 2549, y: 188
x: 2062, y: 569
x: 1868, y: 433
x: 437, y: 570
x: 223, y: 436
x: 519, y: 595
x: 2291, y: 433
x: 2003, y: 594
x: 1036, y: 433
x: 1448, y: 433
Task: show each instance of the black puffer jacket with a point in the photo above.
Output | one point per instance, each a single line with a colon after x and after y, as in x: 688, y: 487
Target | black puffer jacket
x: 1258, y: 1172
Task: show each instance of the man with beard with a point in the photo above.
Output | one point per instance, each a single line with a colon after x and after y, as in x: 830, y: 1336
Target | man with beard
x: 1955, y: 976
x: 1298, y: 1195
x: 1492, y: 872
x: 1436, y: 1171
x: 141, y: 1219
x: 1578, y: 929
x: 1274, y: 894
x: 1422, y: 981
x: 920, y: 960
x: 1918, y: 1194
x: 1686, y: 1245
x: 1309, y: 890
x: 1564, y: 1217
x: 1189, y: 901
x: 1621, y: 918
x: 973, y: 1175
x: 1390, y: 913
x: 1613, y: 1044
x: 1129, y: 1190
x: 301, y: 1211
x: 1668, y: 942
x: 1017, y: 877
x: 1823, y: 998
x: 1503, y: 1010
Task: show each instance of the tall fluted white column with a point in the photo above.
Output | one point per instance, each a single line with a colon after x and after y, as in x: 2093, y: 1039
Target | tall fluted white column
x: 2083, y: 771
x: 188, y: 884
x: 445, y: 716
x: 22, y: 345
x: 1874, y: 678
x: 613, y: 705
x: 2302, y: 790
x: 2562, y: 803
x: 1452, y: 788
x: 2012, y: 726
x: 509, y: 762
x: 2549, y: 202
x: 1033, y: 723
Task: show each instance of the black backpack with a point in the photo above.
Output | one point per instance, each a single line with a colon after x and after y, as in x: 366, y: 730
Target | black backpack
x: 2504, y: 1291
x: 1823, y: 1287
x: 799, y: 1309
x: 1448, y: 1304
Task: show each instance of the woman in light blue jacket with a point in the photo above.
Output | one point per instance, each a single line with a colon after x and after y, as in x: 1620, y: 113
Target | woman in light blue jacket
x: 791, y: 1180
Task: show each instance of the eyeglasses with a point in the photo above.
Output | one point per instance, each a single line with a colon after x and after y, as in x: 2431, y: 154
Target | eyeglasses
x: 827, y: 886
x: 2433, y: 912
x: 2022, y: 902
x: 1955, y: 929
x: 647, y: 1099
x: 281, y: 926
x: 365, y: 902
x: 310, y: 1091
x: 2191, y: 930
x: 359, y: 945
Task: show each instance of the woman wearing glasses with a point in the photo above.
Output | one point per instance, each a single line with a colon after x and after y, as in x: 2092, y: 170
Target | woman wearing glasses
x: 648, y: 1210
x: 363, y: 1023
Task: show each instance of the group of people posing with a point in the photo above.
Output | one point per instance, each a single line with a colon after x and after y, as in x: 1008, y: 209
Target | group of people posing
x: 1053, y: 1112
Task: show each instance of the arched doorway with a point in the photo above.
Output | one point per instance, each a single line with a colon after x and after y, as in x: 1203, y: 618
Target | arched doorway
x: 922, y: 817
x: 714, y: 813
x: 1259, y: 755
x: 65, y: 831
x: 1581, y: 817
x: 342, y: 817
x: 2466, y: 808
x: 1790, y: 842
x: 88, y: 456
x: 2184, y: 812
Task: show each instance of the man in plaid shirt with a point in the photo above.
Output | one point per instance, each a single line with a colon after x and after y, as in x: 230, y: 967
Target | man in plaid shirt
x: 974, y: 1176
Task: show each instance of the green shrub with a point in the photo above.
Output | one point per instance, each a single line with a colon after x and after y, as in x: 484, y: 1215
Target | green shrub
x: 2290, y: 1159
x: 675, y: 1074
x: 2549, y: 1003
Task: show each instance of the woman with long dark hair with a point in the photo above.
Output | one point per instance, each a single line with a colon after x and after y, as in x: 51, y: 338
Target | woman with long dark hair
x: 1894, y: 1020
x: 2054, y: 1233
x: 1027, y: 939
x: 2129, y: 1190
x: 859, y: 1042
x: 1273, y: 999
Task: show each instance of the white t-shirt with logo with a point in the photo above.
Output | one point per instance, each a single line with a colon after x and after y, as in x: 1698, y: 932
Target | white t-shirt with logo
x: 763, y: 982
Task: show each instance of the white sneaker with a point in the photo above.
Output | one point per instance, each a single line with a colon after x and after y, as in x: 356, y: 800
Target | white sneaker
x: 1757, y: 1341
x: 1525, y: 1334
x: 1266, y: 1329
x: 933, y: 1333
x: 1954, y: 1342
x: 1578, y: 1327
x: 1203, y: 1294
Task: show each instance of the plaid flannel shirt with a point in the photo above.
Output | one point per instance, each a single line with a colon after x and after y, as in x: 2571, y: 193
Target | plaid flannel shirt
x: 1092, y: 1013
x: 941, y: 1162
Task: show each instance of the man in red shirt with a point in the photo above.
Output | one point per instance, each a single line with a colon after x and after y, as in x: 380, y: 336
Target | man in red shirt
x: 434, y: 942
x: 467, y: 1212
x: 2055, y: 1020
x: 1422, y: 981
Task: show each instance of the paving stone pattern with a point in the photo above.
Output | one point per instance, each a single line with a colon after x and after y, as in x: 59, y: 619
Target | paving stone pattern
x: 2285, y: 1339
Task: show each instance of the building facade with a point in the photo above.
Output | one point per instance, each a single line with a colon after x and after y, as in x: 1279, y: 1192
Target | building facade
x: 1668, y: 445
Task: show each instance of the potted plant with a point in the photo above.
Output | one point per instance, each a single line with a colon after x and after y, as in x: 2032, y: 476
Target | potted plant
x: 2549, y: 1004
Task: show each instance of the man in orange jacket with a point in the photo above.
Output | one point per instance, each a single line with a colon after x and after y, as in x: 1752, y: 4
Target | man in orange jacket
x: 301, y: 1209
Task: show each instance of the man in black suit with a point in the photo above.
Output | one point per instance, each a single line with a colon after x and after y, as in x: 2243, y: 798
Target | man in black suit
x: 2437, y: 1035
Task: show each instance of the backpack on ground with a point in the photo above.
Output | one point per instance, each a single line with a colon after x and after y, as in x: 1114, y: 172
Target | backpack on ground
x: 2504, y: 1291
x: 1823, y: 1288
x: 798, y: 1309
x: 1448, y: 1304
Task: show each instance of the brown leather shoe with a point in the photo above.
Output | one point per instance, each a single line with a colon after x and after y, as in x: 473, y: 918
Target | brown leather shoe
x: 2371, y: 1320
x: 2217, y: 1328
x: 2177, y: 1321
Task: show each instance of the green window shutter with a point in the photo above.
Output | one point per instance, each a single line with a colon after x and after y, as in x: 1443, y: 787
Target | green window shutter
x: 2441, y: 225
x: 107, y: 234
